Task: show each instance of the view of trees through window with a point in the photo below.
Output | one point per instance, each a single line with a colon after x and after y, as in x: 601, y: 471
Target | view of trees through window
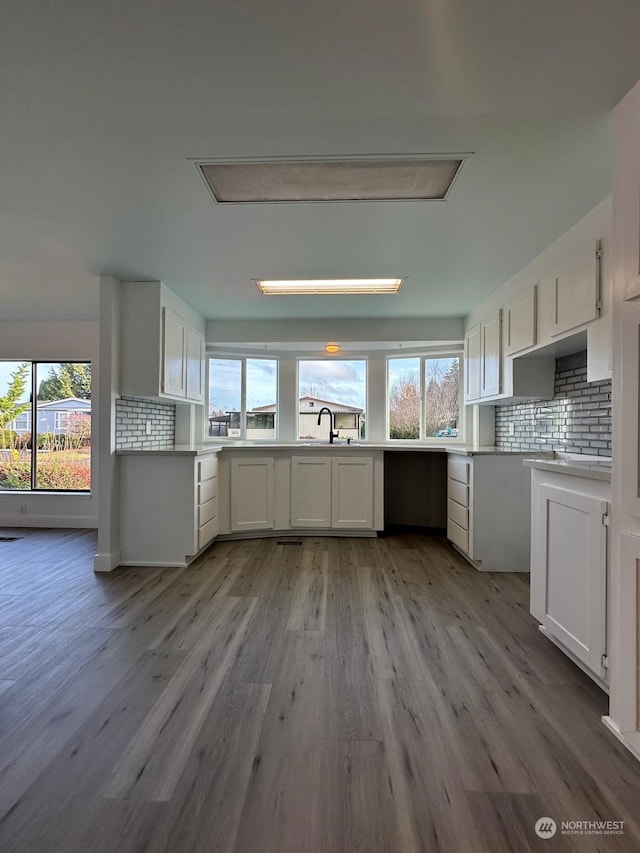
x: 45, y: 425
x: 434, y: 380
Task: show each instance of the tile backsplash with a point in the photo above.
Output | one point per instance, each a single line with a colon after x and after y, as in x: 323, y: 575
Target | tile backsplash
x: 132, y: 415
x: 576, y: 420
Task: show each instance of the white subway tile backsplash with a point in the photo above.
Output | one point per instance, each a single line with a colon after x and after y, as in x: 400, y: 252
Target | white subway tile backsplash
x: 577, y: 419
x: 132, y: 415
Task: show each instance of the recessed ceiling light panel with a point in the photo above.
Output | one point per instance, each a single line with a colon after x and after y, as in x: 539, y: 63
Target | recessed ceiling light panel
x: 330, y: 286
x: 407, y: 178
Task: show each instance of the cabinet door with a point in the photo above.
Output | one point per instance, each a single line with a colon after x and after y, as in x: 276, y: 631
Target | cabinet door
x: 491, y: 355
x: 352, y: 492
x: 194, y: 350
x: 252, y: 493
x: 520, y: 321
x: 629, y: 403
x: 173, y: 354
x: 568, y: 572
x: 311, y: 491
x: 575, y: 293
x: 472, y: 363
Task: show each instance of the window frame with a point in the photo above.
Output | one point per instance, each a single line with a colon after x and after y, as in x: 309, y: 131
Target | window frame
x: 243, y: 358
x: 32, y: 411
x: 328, y: 359
x: 423, y: 357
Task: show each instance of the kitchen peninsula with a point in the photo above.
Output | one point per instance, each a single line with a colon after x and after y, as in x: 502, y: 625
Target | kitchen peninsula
x: 249, y: 489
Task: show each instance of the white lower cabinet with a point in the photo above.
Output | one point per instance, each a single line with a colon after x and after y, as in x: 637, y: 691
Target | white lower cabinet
x: 252, y: 493
x: 311, y: 491
x: 168, y: 508
x: 488, y: 510
x: 332, y: 492
x: 569, y: 566
x: 352, y: 492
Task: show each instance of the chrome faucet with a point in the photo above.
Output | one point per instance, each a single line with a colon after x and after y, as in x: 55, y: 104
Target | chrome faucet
x: 332, y: 434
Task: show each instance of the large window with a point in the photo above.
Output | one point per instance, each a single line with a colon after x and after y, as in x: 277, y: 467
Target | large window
x: 339, y: 385
x: 243, y: 397
x: 45, y: 426
x: 423, y: 397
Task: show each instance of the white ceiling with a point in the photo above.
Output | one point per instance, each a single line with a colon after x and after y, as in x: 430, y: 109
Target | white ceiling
x: 103, y: 105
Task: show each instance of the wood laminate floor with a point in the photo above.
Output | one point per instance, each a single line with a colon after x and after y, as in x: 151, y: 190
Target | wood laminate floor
x: 338, y: 695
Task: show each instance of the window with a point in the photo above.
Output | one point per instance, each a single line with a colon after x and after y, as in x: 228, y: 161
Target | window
x: 243, y: 397
x: 424, y: 397
x: 45, y: 426
x: 22, y: 423
x: 337, y: 384
x: 60, y: 421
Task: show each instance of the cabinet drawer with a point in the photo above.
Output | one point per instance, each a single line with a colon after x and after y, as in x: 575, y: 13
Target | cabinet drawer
x: 458, y: 514
x: 207, y: 468
x: 459, y: 469
x: 208, y: 532
x: 458, y: 492
x: 458, y: 536
x: 207, y: 490
x: 207, y: 511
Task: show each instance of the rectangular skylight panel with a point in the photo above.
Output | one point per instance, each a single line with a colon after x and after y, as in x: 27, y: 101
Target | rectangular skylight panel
x: 387, y: 179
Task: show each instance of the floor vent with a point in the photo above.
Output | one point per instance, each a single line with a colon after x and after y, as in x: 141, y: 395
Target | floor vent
x: 289, y: 542
x: 10, y: 538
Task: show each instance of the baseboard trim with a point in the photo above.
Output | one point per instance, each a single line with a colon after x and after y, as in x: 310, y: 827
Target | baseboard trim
x: 106, y: 562
x: 629, y: 739
x: 62, y: 521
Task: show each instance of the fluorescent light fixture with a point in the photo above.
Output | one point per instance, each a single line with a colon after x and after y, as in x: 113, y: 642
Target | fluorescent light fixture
x: 406, y: 177
x: 328, y: 286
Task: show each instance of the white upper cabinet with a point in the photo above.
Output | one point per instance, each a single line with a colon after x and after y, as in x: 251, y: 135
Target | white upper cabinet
x: 162, y: 345
x: 173, y: 354
x: 483, y: 358
x: 520, y: 321
x: 472, y: 366
x: 194, y: 365
x: 182, y: 358
x: 575, y: 292
x: 491, y: 355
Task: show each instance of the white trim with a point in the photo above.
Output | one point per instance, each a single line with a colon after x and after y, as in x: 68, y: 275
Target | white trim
x: 629, y: 739
x: 106, y: 562
x: 75, y: 521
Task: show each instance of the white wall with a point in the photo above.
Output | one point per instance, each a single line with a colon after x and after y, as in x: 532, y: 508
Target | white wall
x: 435, y: 329
x: 43, y: 340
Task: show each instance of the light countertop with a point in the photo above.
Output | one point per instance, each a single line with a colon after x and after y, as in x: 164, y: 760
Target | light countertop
x: 324, y: 446
x: 592, y: 469
x: 176, y: 450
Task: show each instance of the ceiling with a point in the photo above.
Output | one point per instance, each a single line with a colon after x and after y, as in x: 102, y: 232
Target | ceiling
x: 105, y: 106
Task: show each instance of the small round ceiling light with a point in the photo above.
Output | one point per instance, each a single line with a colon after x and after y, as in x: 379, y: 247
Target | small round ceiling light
x: 332, y: 348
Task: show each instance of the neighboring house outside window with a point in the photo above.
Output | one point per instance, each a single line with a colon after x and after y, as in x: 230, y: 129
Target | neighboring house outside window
x: 45, y: 433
